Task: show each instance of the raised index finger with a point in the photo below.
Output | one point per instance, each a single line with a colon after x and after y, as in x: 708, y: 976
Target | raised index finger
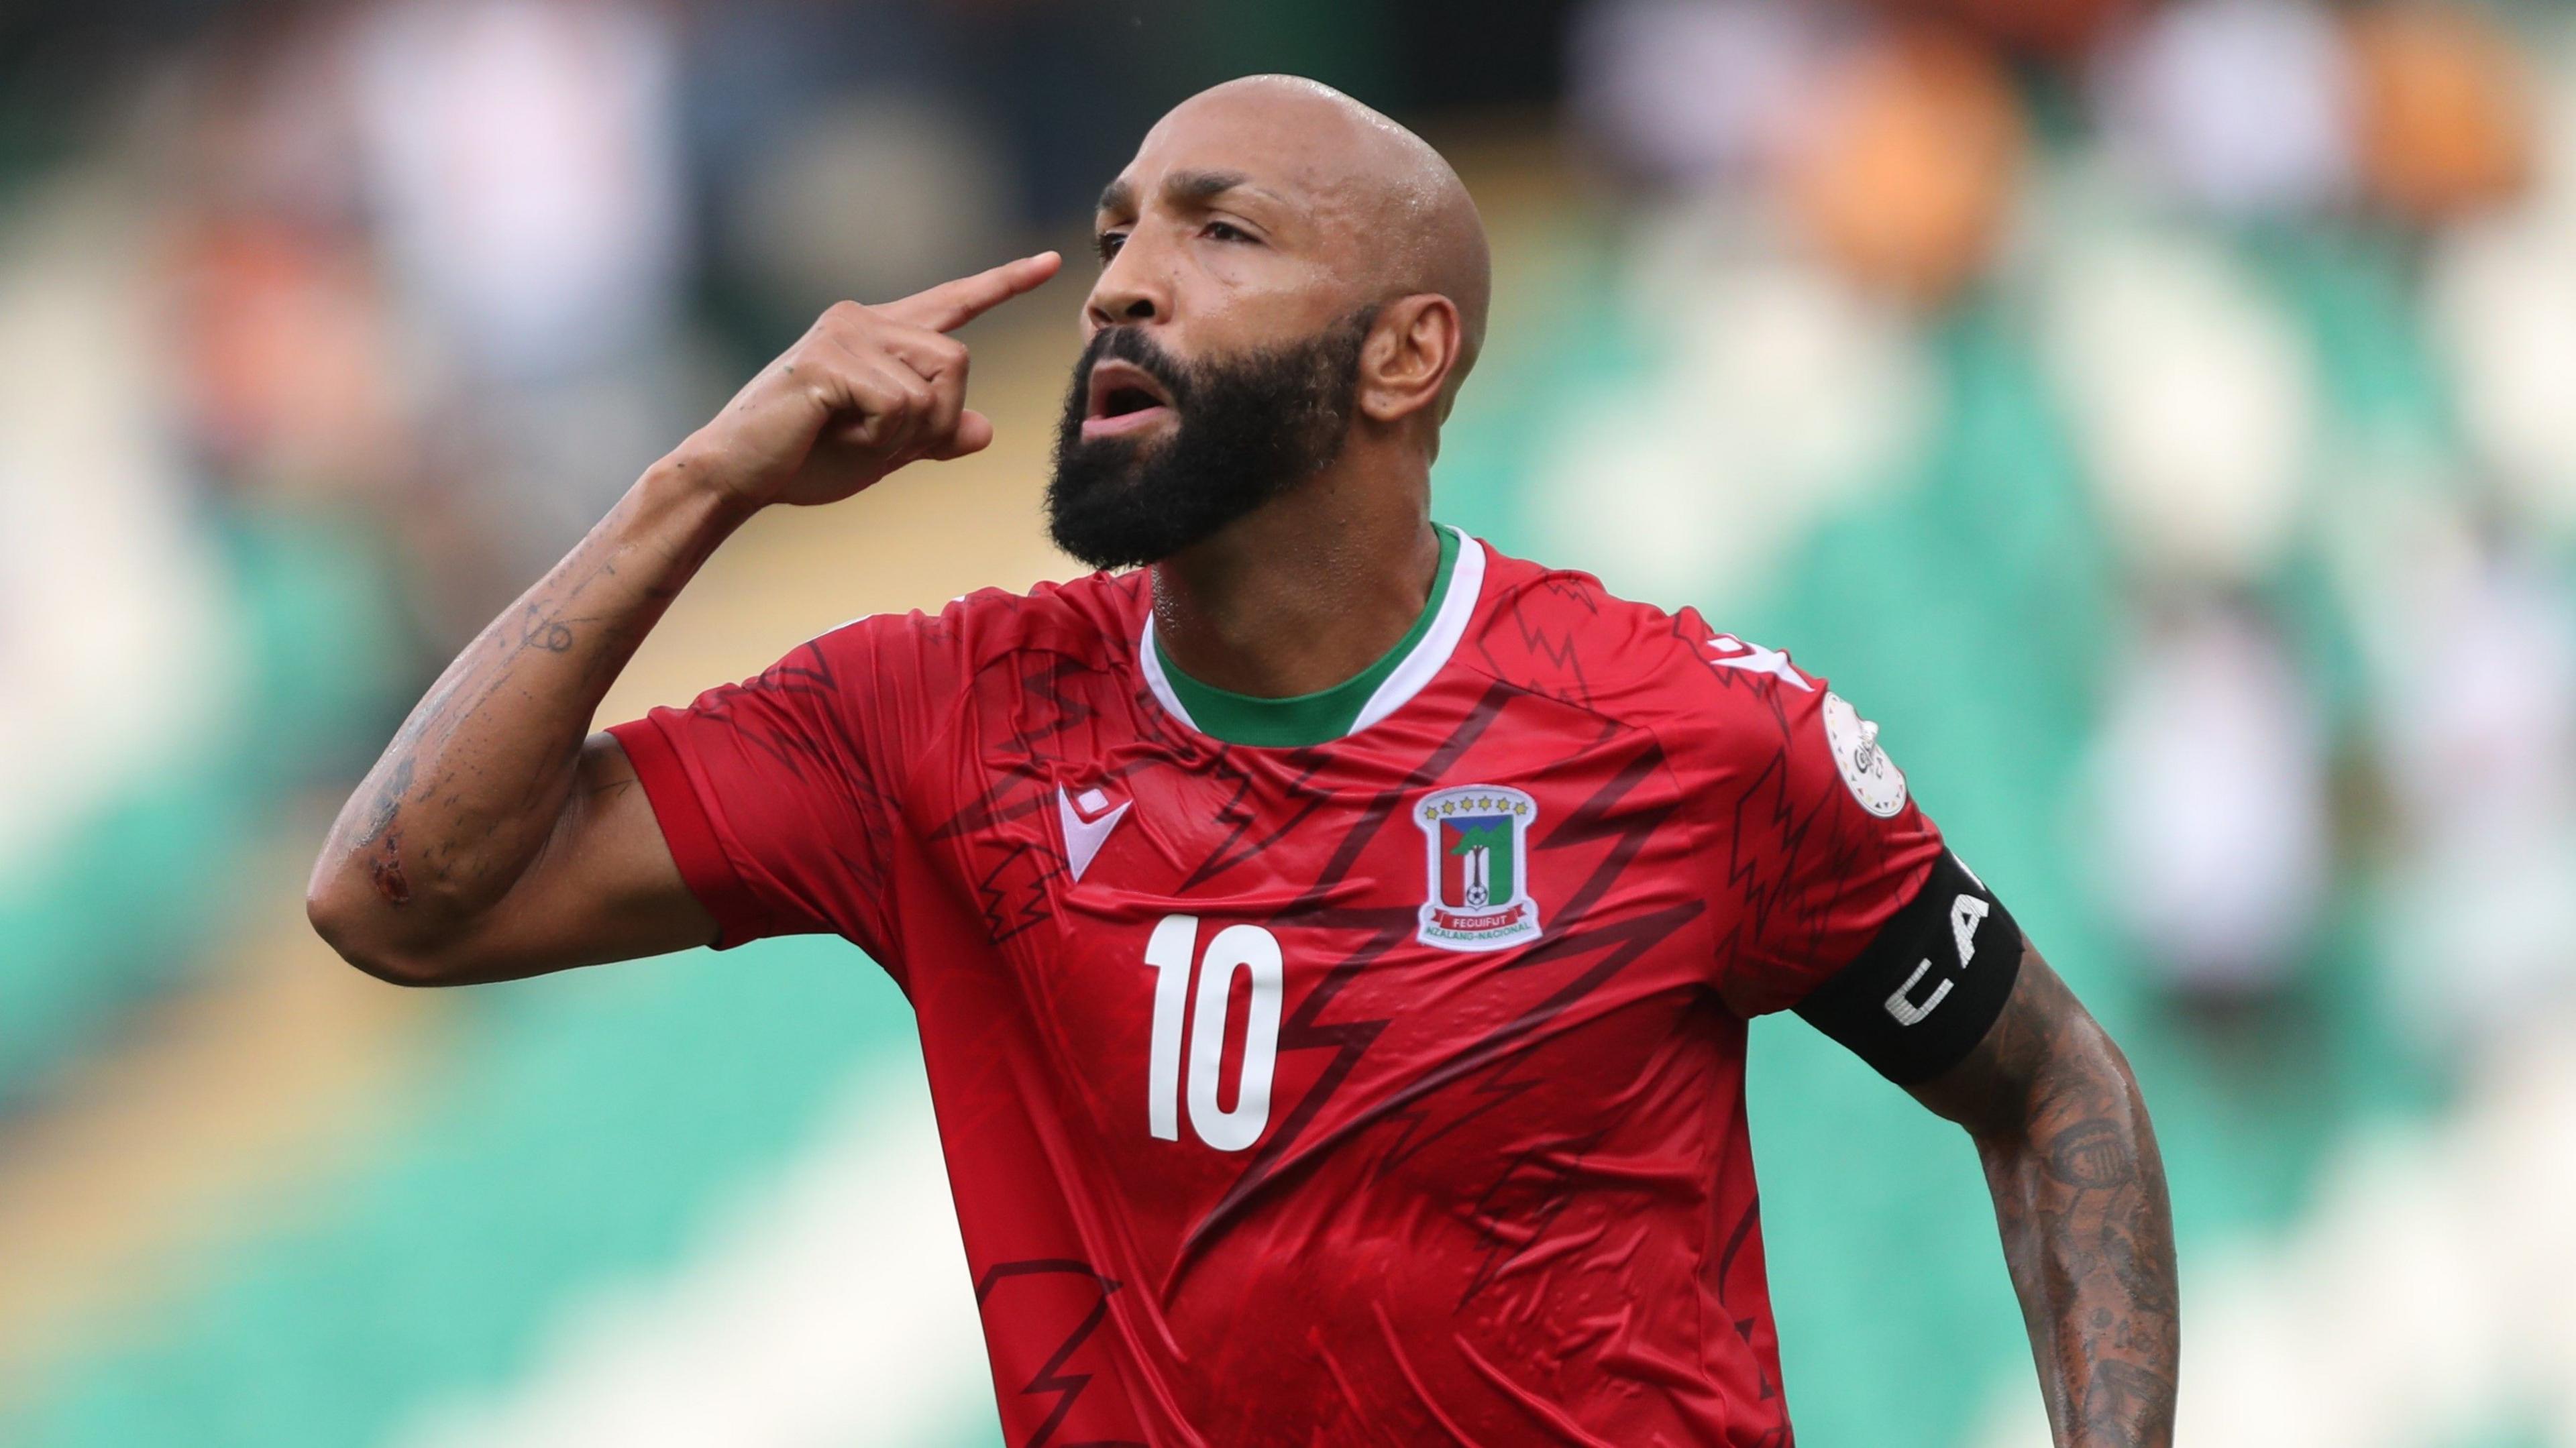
x: 950, y: 305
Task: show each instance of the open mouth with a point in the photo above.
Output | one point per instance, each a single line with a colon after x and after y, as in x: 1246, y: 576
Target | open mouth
x: 1124, y: 398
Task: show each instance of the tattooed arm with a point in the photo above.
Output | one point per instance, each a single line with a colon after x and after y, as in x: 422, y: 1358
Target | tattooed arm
x: 2080, y: 1193
x: 492, y: 839
x: 497, y: 837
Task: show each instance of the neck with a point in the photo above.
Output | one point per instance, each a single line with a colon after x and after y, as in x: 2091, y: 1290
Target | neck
x: 1306, y: 591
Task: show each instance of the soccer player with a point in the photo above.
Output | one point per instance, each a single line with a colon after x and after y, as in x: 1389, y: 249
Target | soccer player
x: 1333, y: 941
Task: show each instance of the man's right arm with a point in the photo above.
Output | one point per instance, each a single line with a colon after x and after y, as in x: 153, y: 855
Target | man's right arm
x: 497, y: 837
x: 492, y: 839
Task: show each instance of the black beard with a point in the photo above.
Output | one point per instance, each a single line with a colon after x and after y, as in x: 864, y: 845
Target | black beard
x: 1248, y: 429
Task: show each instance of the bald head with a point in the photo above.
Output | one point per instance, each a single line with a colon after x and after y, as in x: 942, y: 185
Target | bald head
x: 1418, y: 225
x: 1376, y: 209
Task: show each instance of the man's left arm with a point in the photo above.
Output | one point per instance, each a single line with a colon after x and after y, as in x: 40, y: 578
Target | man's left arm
x: 1845, y: 904
x: 2080, y: 1195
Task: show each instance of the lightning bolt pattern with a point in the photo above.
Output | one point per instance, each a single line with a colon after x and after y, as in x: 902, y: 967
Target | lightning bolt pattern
x: 1522, y: 1120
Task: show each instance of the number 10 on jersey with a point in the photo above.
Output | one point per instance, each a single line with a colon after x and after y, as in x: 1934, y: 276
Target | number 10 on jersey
x: 1173, y: 953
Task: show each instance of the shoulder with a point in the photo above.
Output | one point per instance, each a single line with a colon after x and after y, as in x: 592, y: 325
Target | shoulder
x: 1562, y: 633
x: 1094, y: 619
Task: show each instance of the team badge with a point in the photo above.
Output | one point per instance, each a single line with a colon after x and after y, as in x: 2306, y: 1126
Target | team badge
x: 1873, y: 778
x: 1477, y: 839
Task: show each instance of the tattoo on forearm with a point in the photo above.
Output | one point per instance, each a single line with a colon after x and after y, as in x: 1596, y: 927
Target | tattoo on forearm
x: 2123, y: 1404
x: 487, y: 775
x: 489, y: 793
x: 2080, y: 1196
x: 388, y: 805
x: 540, y: 630
x: 385, y: 870
x: 2091, y: 1156
x: 2144, y: 1266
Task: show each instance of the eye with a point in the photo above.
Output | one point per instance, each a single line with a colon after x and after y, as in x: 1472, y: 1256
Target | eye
x: 1108, y: 243
x: 1226, y: 231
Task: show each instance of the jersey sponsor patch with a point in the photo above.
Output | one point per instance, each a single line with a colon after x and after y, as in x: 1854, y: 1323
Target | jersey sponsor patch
x: 1476, y: 840
x: 1873, y: 778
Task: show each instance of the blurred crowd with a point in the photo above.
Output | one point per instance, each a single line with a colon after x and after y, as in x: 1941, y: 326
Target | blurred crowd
x: 466, y: 266
x: 2157, y: 195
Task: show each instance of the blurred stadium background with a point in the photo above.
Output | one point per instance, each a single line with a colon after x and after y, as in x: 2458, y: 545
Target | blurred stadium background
x: 2161, y: 416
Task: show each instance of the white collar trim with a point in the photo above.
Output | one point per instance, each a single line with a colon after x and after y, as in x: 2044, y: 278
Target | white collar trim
x: 1155, y: 678
x: 1429, y: 656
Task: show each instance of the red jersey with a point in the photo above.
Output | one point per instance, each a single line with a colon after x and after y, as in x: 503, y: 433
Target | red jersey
x: 1388, y: 1090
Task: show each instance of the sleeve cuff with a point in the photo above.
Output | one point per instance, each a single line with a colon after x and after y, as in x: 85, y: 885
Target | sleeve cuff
x: 690, y: 833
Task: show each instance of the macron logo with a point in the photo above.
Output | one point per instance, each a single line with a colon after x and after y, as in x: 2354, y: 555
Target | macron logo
x: 1735, y: 653
x: 1087, y: 822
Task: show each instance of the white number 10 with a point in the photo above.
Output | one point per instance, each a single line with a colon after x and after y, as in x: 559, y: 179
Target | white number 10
x: 1236, y: 947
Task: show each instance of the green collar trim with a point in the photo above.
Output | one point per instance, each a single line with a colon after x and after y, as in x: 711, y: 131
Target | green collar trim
x: 1327, y: 714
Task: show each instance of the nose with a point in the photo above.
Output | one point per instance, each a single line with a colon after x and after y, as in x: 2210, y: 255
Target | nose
x: 1132, y: 288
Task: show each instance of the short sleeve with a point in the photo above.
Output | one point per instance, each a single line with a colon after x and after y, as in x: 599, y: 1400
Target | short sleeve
x: 1814, y: 841
x: 780, y: 797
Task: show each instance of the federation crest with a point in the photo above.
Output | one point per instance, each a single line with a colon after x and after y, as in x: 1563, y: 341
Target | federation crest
x: 1476, y: 842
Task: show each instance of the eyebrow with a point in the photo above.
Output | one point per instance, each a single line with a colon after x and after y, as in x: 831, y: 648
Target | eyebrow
x: 1191, y: 187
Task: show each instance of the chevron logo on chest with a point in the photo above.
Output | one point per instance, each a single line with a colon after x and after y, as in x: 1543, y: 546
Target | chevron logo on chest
x: 1087, y: 819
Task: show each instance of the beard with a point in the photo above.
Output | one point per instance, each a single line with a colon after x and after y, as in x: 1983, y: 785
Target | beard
x: 1247, y: 428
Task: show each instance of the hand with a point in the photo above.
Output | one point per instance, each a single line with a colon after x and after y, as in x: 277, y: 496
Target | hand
x: 864, y: 391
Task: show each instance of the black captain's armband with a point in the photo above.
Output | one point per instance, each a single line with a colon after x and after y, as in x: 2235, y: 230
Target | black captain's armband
x: 1924, y: 992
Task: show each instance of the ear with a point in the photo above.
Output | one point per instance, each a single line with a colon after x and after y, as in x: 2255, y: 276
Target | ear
x: 1411, y: 351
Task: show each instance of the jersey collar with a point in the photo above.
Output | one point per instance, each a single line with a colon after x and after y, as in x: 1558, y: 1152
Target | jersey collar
x: 1347, y: 707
